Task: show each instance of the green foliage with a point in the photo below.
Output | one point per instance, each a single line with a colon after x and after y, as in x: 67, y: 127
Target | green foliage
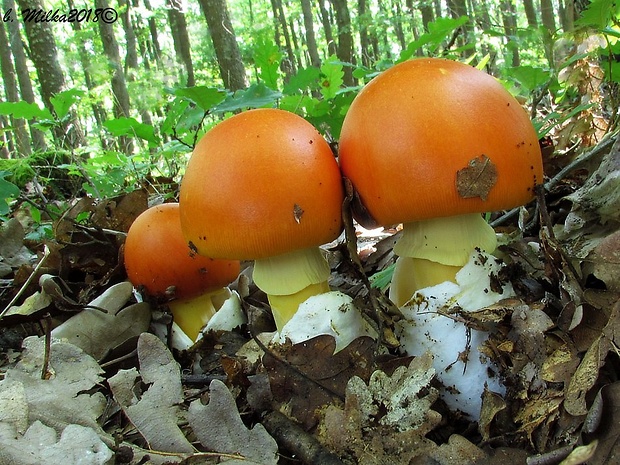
x: 438, y: 32
x: 8, y: 191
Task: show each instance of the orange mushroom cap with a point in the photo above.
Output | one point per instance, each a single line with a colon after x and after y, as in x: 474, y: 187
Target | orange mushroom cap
x: 432, y: 137
x: 261, y: 183
x: 157, y: 257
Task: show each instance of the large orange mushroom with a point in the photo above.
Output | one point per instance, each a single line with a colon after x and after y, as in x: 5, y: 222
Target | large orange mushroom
x: 158, y: 260
x: 264, y: 185
x: 432, y: 143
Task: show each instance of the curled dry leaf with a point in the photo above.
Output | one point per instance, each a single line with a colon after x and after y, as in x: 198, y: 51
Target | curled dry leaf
x: 106, y: 323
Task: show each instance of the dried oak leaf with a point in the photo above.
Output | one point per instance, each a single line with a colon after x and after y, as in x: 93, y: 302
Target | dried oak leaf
x: 219, y: 428
x: 477, y: 178
x: 307, y: 376
x: 156, y: 413
x: 587, y: 372
x: 386, y: 420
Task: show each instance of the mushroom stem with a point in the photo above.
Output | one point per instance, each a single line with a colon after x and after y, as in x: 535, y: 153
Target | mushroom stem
x: 291, y: 278
x: 433, y: 251
x: 191, y: 315
x: 284, y: 307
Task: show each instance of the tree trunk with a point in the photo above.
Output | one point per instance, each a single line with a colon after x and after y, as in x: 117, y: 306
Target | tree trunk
x: 530, y: 13
x: 132, y: 66
x: 313, y: 51
x: 548, y: 21
x: 180, y: 37
x: 327, y: 28
x: 44, y: 55
x: 119, y: 85
x: 364, y: 19
x: 345, y: 39
x: 22, y: 141
x: 99, y: 112
x: 510, y: 30
x: 225, y: 44
x: 23, y: 74
x: 287, y: 65
x: 428, y: 16
x: 567, y: 15
x: 397, y: 21
x: 154, y: 42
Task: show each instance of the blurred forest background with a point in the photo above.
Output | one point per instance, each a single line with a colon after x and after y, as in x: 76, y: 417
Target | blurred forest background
x: 118, y: 97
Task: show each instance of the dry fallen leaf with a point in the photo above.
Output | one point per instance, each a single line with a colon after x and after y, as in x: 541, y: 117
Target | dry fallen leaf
x: 156, y: 413
x: 65, y: 397
x: 107, y: 323
x: 477, y: 178
x: 40, y: 444
x: 219, y: 428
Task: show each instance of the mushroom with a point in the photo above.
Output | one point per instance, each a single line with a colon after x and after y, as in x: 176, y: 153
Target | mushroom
x: 158, y: 260
x: 264, y: 185
x: 433, y: 143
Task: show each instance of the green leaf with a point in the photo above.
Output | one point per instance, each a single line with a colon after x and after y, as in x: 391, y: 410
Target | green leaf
x: 332, y: 75
x: 438, y: 31
x: 63, y: 101
x: 530, y: 77
x: 203, y: 96
x: 267, y: 57
x: 131, y: 127
x: 305, y: 78
x: 256, y: 96
x: 382, y: 279
x: 598, y: 14
x: 8, y: 190
x: 24, y: 110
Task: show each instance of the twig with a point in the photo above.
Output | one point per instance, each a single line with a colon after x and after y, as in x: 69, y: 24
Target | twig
x: 47, y: 327
x: 605, y: 143
x: 46, y: 252
x: 297, y: 441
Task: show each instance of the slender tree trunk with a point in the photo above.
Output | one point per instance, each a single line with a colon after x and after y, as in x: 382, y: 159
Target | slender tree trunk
x: 132, y: 66
x: 510, y: 30
x: 99, y: 112
x: 281, y: 29
x: 22, y: 141
x: 398, y: 24
x: 232, y: 69
x: 44, y: 55
x: 327, y: 28
x: 180, y: 37
x: 23, y: 74
x: 154, y: 42
x: 530, y: 13
x: 119, y: 85
x: 567, y: 15
x: 345, y: 39
x: 363, y: 20
x: 313, y: 50
x: 548, y: 21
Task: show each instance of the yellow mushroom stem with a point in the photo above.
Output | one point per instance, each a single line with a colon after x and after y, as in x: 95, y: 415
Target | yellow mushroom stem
x: 289, y: 279
x: 433, y: 251
x: 191, y: 315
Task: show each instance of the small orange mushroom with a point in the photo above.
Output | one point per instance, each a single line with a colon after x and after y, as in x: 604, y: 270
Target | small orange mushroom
x: 264, y: 185
x: 158, y: 260
x: 432, y: 143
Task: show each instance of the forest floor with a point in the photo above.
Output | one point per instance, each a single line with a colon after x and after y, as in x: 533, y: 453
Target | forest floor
x: 120, y: 393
